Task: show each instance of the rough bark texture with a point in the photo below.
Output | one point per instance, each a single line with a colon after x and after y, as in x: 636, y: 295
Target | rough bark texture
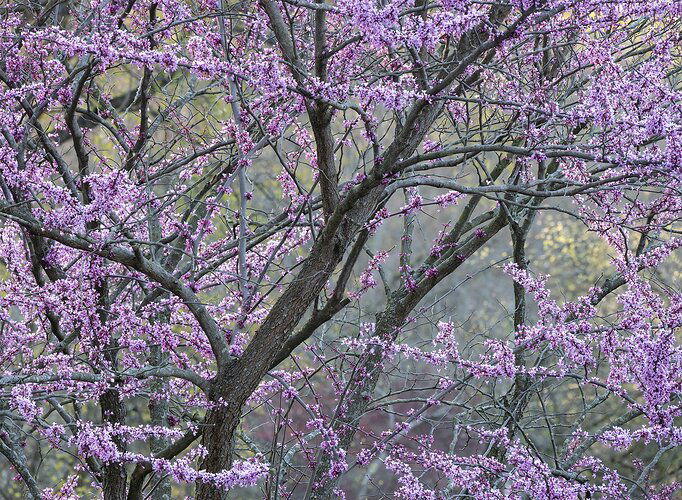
x: 239, y: 379
x: 158, y: 410
x: 114, y: 475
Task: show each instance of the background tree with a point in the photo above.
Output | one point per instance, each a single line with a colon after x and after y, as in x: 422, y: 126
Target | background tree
x: 294, y: 246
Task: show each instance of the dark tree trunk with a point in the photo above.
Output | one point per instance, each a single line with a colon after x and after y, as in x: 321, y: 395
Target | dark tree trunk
x: 114, y: 475
x: 237, y: 381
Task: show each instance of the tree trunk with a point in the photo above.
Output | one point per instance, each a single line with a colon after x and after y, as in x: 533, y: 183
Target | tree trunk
x: 218, y: 438
x: 114, y: 475
x: 237, y: 381
x: 158, y: 410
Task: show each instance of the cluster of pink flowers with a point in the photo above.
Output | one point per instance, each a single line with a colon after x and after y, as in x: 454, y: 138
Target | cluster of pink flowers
x: 367, y: 280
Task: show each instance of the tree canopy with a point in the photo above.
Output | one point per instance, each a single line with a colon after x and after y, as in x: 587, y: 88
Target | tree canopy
x: 302, y: 248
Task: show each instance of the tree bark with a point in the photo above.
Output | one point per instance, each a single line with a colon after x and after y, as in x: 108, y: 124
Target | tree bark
x: 114, y: 475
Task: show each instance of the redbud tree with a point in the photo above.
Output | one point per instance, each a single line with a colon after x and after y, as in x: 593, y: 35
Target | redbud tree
x: 237, y: 237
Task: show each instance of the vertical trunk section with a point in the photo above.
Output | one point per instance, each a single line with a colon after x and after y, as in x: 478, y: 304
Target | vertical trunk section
x: 218, y: 438
x: 114, y: 475
x: 158, y: 410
